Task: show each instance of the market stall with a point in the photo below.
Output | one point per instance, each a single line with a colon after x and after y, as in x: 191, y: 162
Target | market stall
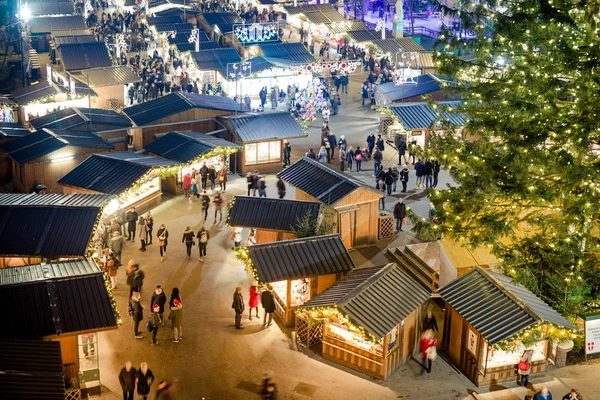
x: 402, y: 92
x: 135, y: 180
x: 272, y: 219
x: 490, y: 321
x: 212, y: 66
x: 368, y: 321
x: 295, y: 278
x: 111, y: 85
x: 192, y: 149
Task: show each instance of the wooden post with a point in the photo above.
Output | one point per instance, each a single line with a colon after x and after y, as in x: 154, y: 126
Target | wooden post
x: 385, y: 366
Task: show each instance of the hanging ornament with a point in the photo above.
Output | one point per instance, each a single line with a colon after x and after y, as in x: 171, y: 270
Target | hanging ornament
x: 381, y: 27
x: 257, y: 32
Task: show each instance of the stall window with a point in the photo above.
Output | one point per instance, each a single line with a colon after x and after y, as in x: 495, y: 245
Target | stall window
x: 262, y: 153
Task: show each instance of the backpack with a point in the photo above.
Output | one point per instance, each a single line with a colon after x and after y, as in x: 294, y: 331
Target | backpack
x: 149, y: 326
x: 203, y: 237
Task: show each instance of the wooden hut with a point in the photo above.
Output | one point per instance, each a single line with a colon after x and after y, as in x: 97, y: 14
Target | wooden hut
x: 368, y: 321
x: 65, y: 301
x: 261, y: 135
x: 352, y: 205
x: 81, y: 56
x: 111, y: 84
x: 40, y: 29
x: 220, y: 25
x: 135, y: 180
x: 9, y: 131
x: 41, y: 226
x: 43, y: 156
x: 483, y: 309
x: 192, y: 150
x: 297, y: 269
x: 178, y: 111
x: 272, y: 219
x: 391, y: 93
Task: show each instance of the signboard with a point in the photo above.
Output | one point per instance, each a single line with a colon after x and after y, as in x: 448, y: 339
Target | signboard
x: 472, y: 342
x: 592, y: 334
x: 407, y: 76
x: 257, y: 32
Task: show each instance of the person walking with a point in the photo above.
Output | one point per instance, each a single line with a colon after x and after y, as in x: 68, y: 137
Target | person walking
x: 429, y: 322
x: 349, y: 158
x: 262, y: 187
x: 136, y: 311
x: 159, y: 298
x: 141, y: 231
x: 154, y: 323
x: 400, y: 214
x: 212, y: 176
x: 236, y: 236
x: 203, y: 236
x: 205, y: 201
x: 132, y: 218
x: 543, y: 394
x: 427, y: 347
x: 524, y: 367
x: 280, y: 188
x: 268, y: 303
x: 127, y: 380
x: 342, y: 157
x: 287, y: 153
x: 404, y: 177
x: 436, y: 173
x: 162, y: 234
x: 218, y: 202
x: 222, y: 177
x: 149, y: 227
x: 144, y: 378
x: 253, y: 300
x: 111, y: 265
x: 164, y: 391
x: 377, y: 157
x: 358, y: 158
x: 371, y: 142
x: 188, y: 239
x: 380, y: 144
x: 389, y: 181
x: 203, y: 176
x: 401, y: 146
x: 238, y: 306
x: 135, y: 277
x: 116, y: 244
x: 176, y: 315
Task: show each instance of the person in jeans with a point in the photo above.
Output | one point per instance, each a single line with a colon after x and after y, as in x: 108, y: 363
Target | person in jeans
x: 377, y: 157
x: 427, y: 347
x: 137, y: 314
x: 399, y: 214
x: 268, y: 303
x: 203, y: 237
x: 238, y: 305
x: 524, y: 367
x: 155, y: 321
x: 176, y: 315
x: 188, y: 239
x: 163, y: 240
x: 218, y: 202
x: 127, y: 380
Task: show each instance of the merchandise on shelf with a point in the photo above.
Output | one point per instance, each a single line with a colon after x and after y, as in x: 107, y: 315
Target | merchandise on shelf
x: 354, y: 338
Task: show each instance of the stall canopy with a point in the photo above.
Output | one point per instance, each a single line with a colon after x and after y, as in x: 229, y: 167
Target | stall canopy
x: 497, y: 307
x: 44, y: 90
x: 262, y: 126
x: 224, y: 21
x: 31, y: 369
x: 172, y: 19
x: 339, y: 27
x: 426, y: 84
x: 321, y: 182
x: 295, y: 52
x: 45, y: 141
x: 176, y: 103
x: 187, y: 146
x: 376, y: 298
x: 48, y: 225
x: 82, y: 119
x: 219, y: 60
x: 204, y: 44
x: 50, y: 299
x: 115, y: 75
x: 45, y: 25
x: 398, y: 45
x: 48, y: 8
x: 112, y: 173
x: 12, y: 129
x: 316, y: 13
x: 420, y: 115
x: 70, y: 32
x: 73, y: 39
x: 84, y: 56
x: 300, y: 258
x: 270, y: 214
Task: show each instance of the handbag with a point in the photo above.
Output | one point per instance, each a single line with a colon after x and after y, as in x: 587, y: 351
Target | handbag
x: 149, y: 326
x: 431, y: 353
x: 524, y: 366
x: 160, y: 243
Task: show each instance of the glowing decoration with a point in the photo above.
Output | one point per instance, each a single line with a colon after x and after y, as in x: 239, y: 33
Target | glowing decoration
x: 239, y: 70
x: 381, y: 27
x: 87, y: 8
x: 121, y: 43
x: 344, y: 67
x: 195, y: 38
x: 257, y: 32
x: 72, y: 87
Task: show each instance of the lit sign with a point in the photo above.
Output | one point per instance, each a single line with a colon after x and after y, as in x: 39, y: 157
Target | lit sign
x: 256, y: 33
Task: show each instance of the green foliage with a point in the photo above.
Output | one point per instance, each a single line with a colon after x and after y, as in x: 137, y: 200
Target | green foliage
x: 307, y: 226
x: 528, y: 183
x: 425, y: 230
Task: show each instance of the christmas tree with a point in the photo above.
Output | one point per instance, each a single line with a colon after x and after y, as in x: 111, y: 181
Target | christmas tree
x: 526, y: 165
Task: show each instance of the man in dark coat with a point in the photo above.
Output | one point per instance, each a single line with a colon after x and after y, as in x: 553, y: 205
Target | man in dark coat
x: 238, y: 306
x: 428, y: 173
x: 263, y: 97
x: 311, y: 154
x: 268, y: 303
x: 401, y: 146
x: 287, y: 153
x: 389, y: 181
x: 377, y: 157
x: 399, y: 214
x: 280, y: 188
x: 203, y: 175
x: 404, y: 177
x: 132, y: 218
x: 371, y: 142
x: 436, y: 172
x: 127, y: 380
x: 332, y: 144
x: 159, y: 298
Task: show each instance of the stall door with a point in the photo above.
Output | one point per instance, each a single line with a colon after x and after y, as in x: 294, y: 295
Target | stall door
x: 456, y: 334
x: 346, y: 224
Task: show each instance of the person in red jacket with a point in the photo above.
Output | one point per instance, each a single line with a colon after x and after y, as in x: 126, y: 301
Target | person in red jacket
x: 254, y: 298
x: 427, y: 347
x: 187, y: 184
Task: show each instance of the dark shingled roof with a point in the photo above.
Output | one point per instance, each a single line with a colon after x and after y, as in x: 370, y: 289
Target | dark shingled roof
x: 398, y: 45
x: 47, y: 270
x: 300, y: 258
x: 256, y: 127
x: 45, y: 141
x: 83, y: 119
x: 425, y: 84
x: 56, y: 7
x: 224, y: 20
x: 219, y: 60
x: 376, y: 298
x: 84, y: 56
x: 295, y: 52
x: 420, y: 115
x: 112, y: 173
x: 176, y: 103
x: 75, y: 39
x: 495, y: 306
x: 179, y: 28
x: 12, y: 129
x: 31, y: 369
x: 363, y: 35
x: 171, y: 19
x: 206, y: 45
x: 39, y: 25
x: 320, y: 181
x: 271, y: 214
x: 71, y: 303
x: 186, y: 146
x: 46, y: 230
x: 115, y: 75
x: 27, y: 94
x: 53, y: 199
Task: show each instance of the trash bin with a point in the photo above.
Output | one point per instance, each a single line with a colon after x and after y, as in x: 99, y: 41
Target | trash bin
x: 39, y: 188
x: 561, y: 353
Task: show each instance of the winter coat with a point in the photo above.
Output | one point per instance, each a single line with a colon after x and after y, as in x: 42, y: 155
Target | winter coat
x: 188, y: 236
x: 350, y: 156
x: 322, y: 156
x: 163, y: 234
x: 237, y: 234
x: 404, y: 175
x: 254, y: 295
x: 389, y: 177
x: 138, y: 278
x: 238, y: 302
x: 342, y: 155
x: 268, y: 301
x: 132, y: 218
x: 127, y: 379
x: 371, y: 140
x: 430, y: 323
x: 332, y: 140
x: 203, y: 172
x: 116, y: 243
x: 212, y: 174
x: 141, y: 231
x: 401, y: 146
x: 280, y: 186
x: 222, y: 175
x: 539, y: 396
x: 136, y: 310
x: 425, y: 344
x: 377, y: 156
x: 429, y: 168
x: 199, y: 235
x: 380, y: 144
x: 159, y: 299
x: 112, y: 269
x: 311, y: 155
x: 176, y: 314
x: 155, y: 320
x: 144, y: 381
x: 343, y: 143
x: 419, y: 169
x: 205, y: 201
x: 400, y: 213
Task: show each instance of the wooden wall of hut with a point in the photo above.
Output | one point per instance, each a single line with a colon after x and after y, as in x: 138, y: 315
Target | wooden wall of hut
x: 267, y: 236
x: 9, y: 262
x: 70, y: 356
x: 6, y: 170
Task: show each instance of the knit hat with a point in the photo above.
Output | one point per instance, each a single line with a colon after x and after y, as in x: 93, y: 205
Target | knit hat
x: 176, y: 303
x: 156, y: 308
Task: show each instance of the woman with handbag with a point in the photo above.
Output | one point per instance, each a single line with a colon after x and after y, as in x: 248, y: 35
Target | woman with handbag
x: 163, y: 240
x: 188, y: 239
x: 222, y: 174
x: 427, y: 347
x: 524, y: 367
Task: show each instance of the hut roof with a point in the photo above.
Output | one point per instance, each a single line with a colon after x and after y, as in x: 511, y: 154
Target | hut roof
x: 256, y: 127
x: 186, y: 146
x: 271, y: 214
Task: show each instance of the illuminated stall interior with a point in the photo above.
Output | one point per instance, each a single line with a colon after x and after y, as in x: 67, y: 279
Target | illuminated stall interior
x: 368, y: 321
x: 297, y: 269
x: 490, y: 321
x: 272, y: 219
x: 133, y: 179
